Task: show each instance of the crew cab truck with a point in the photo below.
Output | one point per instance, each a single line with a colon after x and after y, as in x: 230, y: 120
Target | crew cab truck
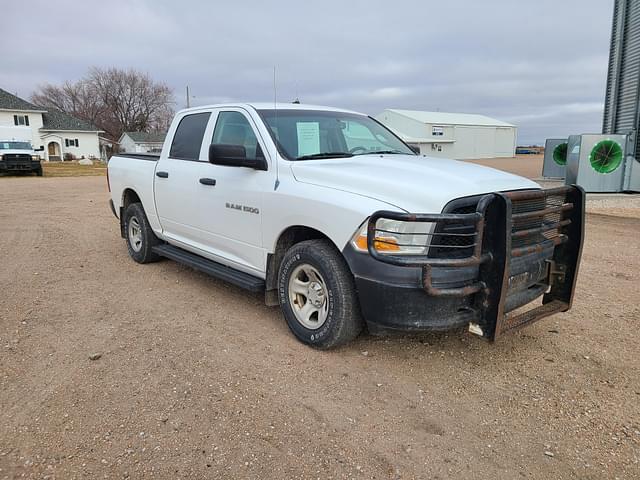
x: 16, y: 153
x: 345, y: 227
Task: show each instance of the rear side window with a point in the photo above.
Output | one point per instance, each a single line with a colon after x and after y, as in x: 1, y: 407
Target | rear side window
x: 188, y: 138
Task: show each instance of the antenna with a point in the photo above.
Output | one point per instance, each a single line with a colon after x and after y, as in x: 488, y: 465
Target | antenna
x: 188, y: 103
x: 275, y: 111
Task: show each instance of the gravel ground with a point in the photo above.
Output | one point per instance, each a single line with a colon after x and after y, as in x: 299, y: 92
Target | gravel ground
x: 621, y: 204
x: 110, y: 369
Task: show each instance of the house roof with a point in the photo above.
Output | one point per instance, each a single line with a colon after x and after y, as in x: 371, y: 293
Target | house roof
x: 57, y: 120
x: 444, y: 118
x: 51, y: 119
x: 8, y: 101
x: 145, y: 137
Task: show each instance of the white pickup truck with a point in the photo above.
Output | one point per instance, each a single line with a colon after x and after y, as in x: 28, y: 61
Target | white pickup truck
x: 16, y: 153
x: 339, y: 222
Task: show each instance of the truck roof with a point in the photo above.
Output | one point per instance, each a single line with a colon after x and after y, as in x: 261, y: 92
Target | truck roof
x: 270, y: 106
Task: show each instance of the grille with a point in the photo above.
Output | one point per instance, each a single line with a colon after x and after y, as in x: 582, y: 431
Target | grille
x: 527, y: 230
x: 545, y: 223
x: 459, y: 236
x: 521, y: 225
x: 17, y: 160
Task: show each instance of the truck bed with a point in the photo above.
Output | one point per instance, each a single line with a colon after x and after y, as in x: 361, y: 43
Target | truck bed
x: 152, y: 157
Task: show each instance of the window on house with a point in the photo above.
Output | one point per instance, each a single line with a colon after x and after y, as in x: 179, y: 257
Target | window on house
x: 71, y: 142
x: 21, y: 120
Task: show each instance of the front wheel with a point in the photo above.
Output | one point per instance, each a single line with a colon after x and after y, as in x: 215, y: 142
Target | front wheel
x: 318, y: 296
x: 140, y: 236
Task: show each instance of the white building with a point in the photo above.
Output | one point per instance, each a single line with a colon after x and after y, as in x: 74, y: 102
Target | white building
x: 141, y: 142
x: 452, y: 135
x: 62, y: 136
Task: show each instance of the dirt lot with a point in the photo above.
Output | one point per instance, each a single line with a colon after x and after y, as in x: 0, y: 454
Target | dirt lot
x: 198, y: 379
x: 526, y: 165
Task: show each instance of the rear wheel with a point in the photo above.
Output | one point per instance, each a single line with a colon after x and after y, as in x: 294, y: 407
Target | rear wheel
x: 318, y: 296
x: 140, y: 236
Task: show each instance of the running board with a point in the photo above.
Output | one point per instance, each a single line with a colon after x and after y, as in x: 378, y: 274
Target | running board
x: 215, y: 269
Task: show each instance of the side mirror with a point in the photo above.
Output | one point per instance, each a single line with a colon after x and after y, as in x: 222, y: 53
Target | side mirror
x: 39, y: 149
x: 234, y: 156
x: 415, y: 149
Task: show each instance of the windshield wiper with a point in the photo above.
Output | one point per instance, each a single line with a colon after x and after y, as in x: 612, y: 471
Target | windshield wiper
x: 325, y: 155
x: 381, y: 152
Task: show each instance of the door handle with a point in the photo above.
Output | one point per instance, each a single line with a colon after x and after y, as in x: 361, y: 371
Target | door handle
x: 208, y: 181
x: 162, y: 174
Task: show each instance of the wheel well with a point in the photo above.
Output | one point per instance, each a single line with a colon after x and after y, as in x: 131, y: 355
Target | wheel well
x: 287, y: 239
x: 128, y: 197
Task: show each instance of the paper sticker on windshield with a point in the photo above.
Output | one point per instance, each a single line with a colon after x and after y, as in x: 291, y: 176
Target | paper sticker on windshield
x: 308, y: 138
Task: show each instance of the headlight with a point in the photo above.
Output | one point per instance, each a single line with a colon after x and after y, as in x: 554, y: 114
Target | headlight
x: 395, y: 237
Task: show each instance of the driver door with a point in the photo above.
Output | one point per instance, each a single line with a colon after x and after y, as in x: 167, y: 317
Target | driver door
x: 230, y: 201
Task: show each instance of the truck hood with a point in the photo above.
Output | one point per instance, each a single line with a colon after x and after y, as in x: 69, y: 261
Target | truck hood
x: 412, y: 183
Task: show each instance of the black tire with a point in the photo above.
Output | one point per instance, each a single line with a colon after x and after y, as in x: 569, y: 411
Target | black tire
x: 39, y: 172
x: 343, y: 321
x: 141, y: 252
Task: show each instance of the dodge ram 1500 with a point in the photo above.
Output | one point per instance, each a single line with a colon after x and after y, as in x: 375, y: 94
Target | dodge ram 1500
x: 339, y: 222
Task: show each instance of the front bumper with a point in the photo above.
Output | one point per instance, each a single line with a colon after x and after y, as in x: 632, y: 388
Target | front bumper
x: 526, y: 244
x: 19, y: 166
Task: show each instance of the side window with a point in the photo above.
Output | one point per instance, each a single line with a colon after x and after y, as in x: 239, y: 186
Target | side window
x: 188, y: 137
x: 232, y: 128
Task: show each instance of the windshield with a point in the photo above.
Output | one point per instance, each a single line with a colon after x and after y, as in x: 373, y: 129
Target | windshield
x: 309, y: 134
x: 15, y: 146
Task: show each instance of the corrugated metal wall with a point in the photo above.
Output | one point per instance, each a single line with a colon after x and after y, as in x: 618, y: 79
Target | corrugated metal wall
x: 621, y: 112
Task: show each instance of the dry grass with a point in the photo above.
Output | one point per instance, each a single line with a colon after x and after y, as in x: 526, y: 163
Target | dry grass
x: 73, y: 169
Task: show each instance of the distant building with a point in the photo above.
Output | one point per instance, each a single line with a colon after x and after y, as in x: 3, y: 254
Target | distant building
x: 141, y: 142
x: 452, y: 135
x: 62, y: 136
x: 621, y: 105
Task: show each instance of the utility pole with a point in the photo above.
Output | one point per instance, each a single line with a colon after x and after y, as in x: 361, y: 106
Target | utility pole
x: 188, y: 102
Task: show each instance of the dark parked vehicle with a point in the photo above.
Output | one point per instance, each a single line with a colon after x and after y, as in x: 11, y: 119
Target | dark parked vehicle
x: 18, y: 156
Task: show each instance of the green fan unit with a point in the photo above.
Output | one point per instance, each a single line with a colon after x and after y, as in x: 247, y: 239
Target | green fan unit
x: 560, y: 154
x: 606, y: 156
x: 596, y: 162
x: 555, y: 158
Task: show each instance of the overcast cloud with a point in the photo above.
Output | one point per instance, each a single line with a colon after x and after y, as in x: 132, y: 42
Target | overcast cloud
x: 540, y: 64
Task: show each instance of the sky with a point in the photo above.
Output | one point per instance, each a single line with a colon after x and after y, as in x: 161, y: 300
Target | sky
x: 540, y: 64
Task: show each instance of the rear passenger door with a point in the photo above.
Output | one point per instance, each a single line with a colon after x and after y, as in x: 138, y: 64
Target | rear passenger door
x: 176, y: 179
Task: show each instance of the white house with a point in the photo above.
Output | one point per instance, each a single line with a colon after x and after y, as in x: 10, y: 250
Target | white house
x: 61, y: 135
x: 452, y: 135
x: 141, y: 142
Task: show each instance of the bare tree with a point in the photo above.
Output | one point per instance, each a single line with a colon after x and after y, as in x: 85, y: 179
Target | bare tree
x: 114, y: 100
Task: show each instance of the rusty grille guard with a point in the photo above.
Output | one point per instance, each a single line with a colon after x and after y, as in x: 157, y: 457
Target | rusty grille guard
x: 492, y: 251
